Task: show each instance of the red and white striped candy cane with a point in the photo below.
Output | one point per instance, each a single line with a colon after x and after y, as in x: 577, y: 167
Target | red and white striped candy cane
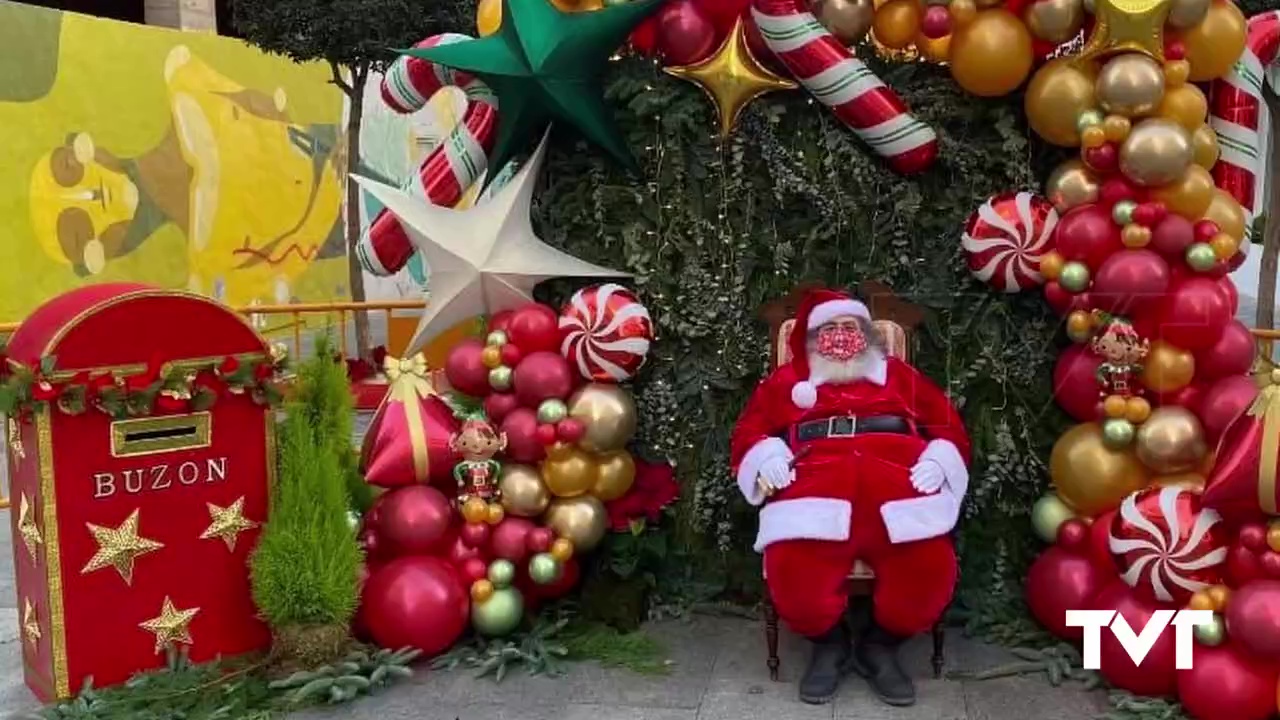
x: 1237, y: 111
x: 829, y: 71
x: 455, y: 165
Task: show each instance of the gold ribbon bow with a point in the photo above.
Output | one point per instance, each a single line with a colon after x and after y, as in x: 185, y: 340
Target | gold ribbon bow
x: 1267, y: 406
x: 410, y: 385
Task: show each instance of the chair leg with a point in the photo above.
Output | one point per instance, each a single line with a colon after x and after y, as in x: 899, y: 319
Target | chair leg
x: 939, y: 637
x: 771, y: 637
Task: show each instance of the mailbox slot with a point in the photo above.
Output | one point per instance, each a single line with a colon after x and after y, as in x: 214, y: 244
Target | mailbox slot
x: 150, y: 436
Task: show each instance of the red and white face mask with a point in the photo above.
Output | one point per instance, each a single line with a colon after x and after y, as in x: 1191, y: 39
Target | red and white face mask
x: 840, y: 343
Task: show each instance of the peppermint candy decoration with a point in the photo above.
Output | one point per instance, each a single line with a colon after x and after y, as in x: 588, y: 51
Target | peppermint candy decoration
x: 607, y: 333
x: 1166, y: 545
x: 1005, y: 238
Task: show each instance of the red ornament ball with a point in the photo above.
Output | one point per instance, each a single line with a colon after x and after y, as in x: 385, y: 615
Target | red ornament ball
x: 1166, y: 545
x: 1158, y: 674
x: 1172, y: 236
x: 510, y: 539
x: 1205, y: 230
x: 474, y: 534
x: 1226, y: 684
x: 521, y: 428
x: 473, y: 569
x: 533, y: 328
x: 1073, y: 535
x: 546, y: 434
x: 542, y: 375
x: 1005, y: 238
x: 1060, y: 580
x: 415, y: 602
x: 540, y: 539
x: 1102, y: 158
x: 571, y: 430
x: 511, y: 355
x: 1088, y: 235
x: 498, y: 405
x: 465, y: 369
x: 414, y: 520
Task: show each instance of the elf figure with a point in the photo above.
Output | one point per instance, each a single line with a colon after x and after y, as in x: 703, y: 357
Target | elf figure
x: 477, y: 474
x: 1122, y: 351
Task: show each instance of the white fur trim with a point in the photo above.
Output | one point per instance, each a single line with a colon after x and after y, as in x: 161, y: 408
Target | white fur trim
x: 804, y: 394
x: 931, y: 515
x: 804, y: 519
x: 823, y: 313
x: 749, y: 468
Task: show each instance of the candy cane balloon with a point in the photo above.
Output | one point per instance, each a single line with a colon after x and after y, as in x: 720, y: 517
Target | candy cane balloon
x: 1236, y: 115
x: 446, y: 173
x: 829, y: 71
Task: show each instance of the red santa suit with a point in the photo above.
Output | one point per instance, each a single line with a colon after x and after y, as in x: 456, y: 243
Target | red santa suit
x: 852, y: 497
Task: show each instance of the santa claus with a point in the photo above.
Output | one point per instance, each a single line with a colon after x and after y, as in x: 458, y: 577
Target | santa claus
x: 855, y: 456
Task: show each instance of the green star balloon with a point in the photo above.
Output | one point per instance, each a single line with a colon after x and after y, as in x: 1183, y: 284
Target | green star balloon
x: 547, y: 65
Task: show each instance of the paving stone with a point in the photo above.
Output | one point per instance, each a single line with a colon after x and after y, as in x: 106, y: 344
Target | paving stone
x: 1029, y: 699
x: 735, y: 699
x: 935, y: 700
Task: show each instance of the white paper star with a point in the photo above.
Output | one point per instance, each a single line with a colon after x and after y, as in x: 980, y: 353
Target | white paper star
x: 484, y: 259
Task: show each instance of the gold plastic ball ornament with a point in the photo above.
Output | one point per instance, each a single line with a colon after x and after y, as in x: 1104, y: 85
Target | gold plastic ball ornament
x: 481, y: 590
x: 1214, y: 44
x: 562, y: 549
x: 1130, y: 85
x: 962, y: 12
x: 1079, y: 326
x: 1204, y: 146
x: 1186, y: 106
x: 523, y: 492
x: 1116, y: 128
x: 1226, y: 213
x: 1091, y: 477
x: 1189, y: 195
x: 475, y: 510
x: 1055, y: 21
x: 848, y: 20
x: 1171, y: 440
x: 615, y: 474
x: 897, y: 22
x: 495, y: 514
x: 1224, y: 246
x: 1051, y: 265
x: 1137, y: 410
x: 568, y: 471
x: 1072, y: 183
x: 992, y: 55
x: 1057, y: 94
x: 609, y: 414
x: 1156, y: 152
x: 1047, y: 515
x: 582, y: 520
x: 1167, y: 367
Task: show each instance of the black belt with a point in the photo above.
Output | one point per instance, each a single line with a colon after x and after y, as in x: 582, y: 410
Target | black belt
x: 848, y: 426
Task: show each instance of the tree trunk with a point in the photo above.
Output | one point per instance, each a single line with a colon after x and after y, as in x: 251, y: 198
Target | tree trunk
x: 355, y: 93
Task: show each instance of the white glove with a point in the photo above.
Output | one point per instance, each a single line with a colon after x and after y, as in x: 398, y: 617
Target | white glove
x: 927, y: 477
x: 777, y: 472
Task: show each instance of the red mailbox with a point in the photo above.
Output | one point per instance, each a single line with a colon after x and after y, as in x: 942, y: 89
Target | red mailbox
x: 133, y: 522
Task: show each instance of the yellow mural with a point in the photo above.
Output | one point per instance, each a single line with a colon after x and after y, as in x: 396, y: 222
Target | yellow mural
x: 178, y: 159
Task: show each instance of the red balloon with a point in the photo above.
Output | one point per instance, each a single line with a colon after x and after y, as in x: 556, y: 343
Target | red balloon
x: 936, y: 22
x: 540, y: 539
x: 1235, y: 261
x: 1150, y: 214
x: 542, y: 376
x: 511, y: 539
x: 1228, y: 288
x: 645, y: 37
x: 368, y: 539
x: 473, y: 569
x: 1087, y: 234
x: 685, y: 35
x: 475, y: 535
x: 415, y: 602
x: 414, y: 520
x: 1187, y: 396
x: 1225, y: 684
x: 534, y: 327
x: 1063, y: 301
x: 1100, y: 543
x: 1232, y: 354
x: 1205, y: 230
x: 460, y: 552
x: 1269, y: 561
x: 1058, y: 581
x: 465, y: 370
x: 499, y: 405
x: 571, y: 430
x: 1253, y: 618
x: 722, y: 14
x: 1243, y: 566
x: 511, y: 355
x: 1114, y: 190
x: 1172, y: 236
x: 1103, y: 158
x: 547, y: 434
x: 1073, y: 535
x: 1194, y: 314
x: 1158, y: 675
x: 1129, y: 279
x: 500, y: 320
x: 521, y: 428
x: 1223, y: 402
x: 1252, y: 536
x: 1075, y: 383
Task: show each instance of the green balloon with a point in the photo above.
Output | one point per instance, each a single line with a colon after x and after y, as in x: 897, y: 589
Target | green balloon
x: 498, y: 615
x: 1201, y: 257
x: 546, y: 65
x: 1122, y: 213
x: 500, y: 378
x: 544, y: 569
x: 1117, y: 433
x: 501, y: 573
x: 1212, y: 634
x: 1048, y: 514
x: 1088, y: 118
x: 1074, y: 277
x: 497, y: 338
x: 552, y: 411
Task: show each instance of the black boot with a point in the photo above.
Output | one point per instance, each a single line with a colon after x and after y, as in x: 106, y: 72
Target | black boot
x: 827, y: 665
x: 876, y: 659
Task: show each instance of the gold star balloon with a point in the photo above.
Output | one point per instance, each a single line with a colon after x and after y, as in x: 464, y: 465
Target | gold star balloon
x: 171, y: 625
x: 731, y: 78
x: 118, y: 547
x: 227, y: 523
x: 1125, y: 26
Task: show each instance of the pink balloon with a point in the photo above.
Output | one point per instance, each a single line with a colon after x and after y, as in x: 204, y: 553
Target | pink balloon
x: 540, y: 539
x: 1228, y: 288
x: 415, y: 602
x: 1223, y: 402
x: 521, y: 428
x: 511, y: 539
x: 1129, y: 279
x: 1100, y: 544
x: 1232, y: 354
x: 460, y: 552
x: 571, y: 430
x: 498, y: 405
x: 1194, y: 314
x: 1253, y: 618
x: 500, y: 320
x: 1063, y: 301
x: 1114, y: 190
x: 414, y: 520
x: 542, y: 376
x: 1073, y: 535
x: 1252, y: 536
x: 1269, y: 562
x: 475, y: 535
x: 1087, y: 233
x: 1172, y: 236
x: 685, y: 35
x: 473, y: 569
x: 1075, y: 383
x: 936, y: 22
x: 1225, y: 684
x: 1187, y: 396
x: 1058, y: 581
x: 534, y: 327
x: 1243, y: 566
x: 465, y: 370
x: 1157, y: 675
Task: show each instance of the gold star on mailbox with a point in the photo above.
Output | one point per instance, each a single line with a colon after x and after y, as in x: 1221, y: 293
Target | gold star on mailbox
x: 1127, y: 25
x: 171, y: 625
x: 27, y: 528
x: 118, y: 547
x: 228, y: 523
x: 31, y: 623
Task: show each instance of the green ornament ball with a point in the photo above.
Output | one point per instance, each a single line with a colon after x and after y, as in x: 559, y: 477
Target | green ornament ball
x: 1088, y: 118
x: 1122, y: 213
x: 1048, y: 514
x: 1212, y: 634
x: 544, y: 569
x: 615, y: 3
x: 1117, y: 433
x: 1201, y: 258
x: 552, y: 411
x: 502, y: 573
x: 497, y: 338
x: 1074, y: 277
x: 500, y: 614
x: 500, y: 378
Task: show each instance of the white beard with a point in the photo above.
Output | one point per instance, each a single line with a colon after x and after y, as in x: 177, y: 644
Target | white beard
x: 825, y: 371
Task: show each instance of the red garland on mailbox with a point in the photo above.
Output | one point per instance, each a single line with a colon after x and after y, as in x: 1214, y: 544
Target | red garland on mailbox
x: 134, y: 525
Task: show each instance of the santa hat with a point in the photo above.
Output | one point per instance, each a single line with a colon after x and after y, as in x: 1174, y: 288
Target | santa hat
x: 818, y: 308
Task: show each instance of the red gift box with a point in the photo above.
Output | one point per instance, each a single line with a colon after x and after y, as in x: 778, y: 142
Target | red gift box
x: 408, y: 438
x: 1243, y: 481
x: 133, y: 534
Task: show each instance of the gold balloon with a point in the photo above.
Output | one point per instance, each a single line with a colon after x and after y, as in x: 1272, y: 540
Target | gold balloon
x: 523, y: 492
x: 962, y: 12
x: 992, y: 55
x: 581, y: 520
x: 1204, y: 146
x: 1190, y: 195
x: 1215, y: 43
x: 488, y: 17
x: 1055, y: 21
x: 1227, y: 213
x: 615, y: 473
x: 1131, y: 85
x: 897, y: 23
x: 1187, y: 13
x: 1056, y: 96
x: 935, y: 50
x: 1167, y: 368
x: 848, y: 20
x: 1071, y: 184
x: 1091, y: 477
x: 1192, y: 481
x: 1185, y: 105
x: 1171, y: 440
x: 609, y: 414
x: 984, y: 4
x: 568, y: 471
x: 1157, y: 152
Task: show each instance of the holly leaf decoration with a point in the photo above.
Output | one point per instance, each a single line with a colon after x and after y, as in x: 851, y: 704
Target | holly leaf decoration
x: 47, y: 364
x: 203, y: 398
x: 73, y: 400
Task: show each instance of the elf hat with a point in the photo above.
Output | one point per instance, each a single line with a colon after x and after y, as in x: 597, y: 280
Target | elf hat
x: 819, y: 307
